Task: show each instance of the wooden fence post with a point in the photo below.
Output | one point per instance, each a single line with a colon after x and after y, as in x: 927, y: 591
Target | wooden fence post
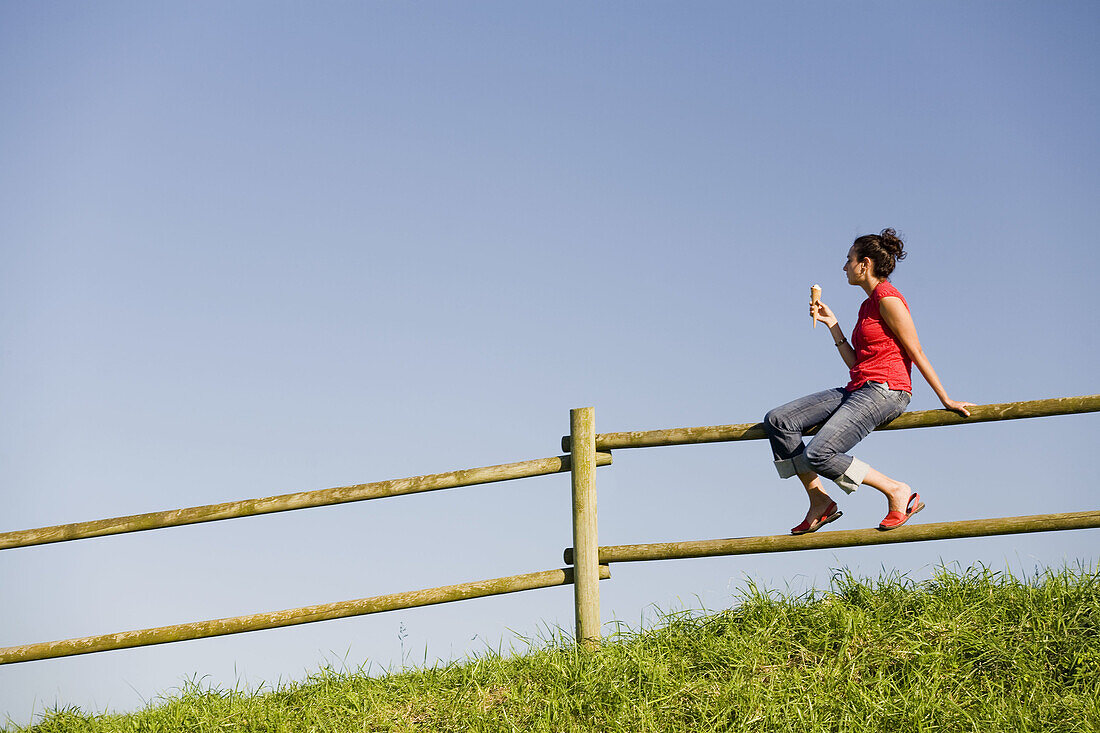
x: 586, y: 571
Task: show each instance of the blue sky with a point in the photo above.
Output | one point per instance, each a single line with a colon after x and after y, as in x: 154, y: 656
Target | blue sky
x: 255, y: 248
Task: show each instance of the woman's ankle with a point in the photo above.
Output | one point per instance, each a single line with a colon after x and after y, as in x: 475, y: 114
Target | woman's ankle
x: 883, y: 483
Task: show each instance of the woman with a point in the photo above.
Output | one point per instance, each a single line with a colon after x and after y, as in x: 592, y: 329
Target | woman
x: 880, y: 361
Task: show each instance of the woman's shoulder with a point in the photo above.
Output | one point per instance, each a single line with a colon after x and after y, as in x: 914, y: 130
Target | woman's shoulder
x: 886, y: 289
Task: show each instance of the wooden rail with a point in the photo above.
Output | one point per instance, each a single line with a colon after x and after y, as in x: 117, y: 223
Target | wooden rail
x: 917, y: 419
x: 846, y: 538
x: 291, y: 617
x: 288, y: 502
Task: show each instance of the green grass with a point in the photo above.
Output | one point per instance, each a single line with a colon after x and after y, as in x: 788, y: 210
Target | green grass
x: 972, y: 650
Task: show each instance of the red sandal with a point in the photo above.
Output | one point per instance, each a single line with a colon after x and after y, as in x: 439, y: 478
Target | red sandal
x: 895, y: 519
x: 831, y: 515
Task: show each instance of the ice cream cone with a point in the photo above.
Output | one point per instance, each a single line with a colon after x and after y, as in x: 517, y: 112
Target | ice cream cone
x: 815, y: 296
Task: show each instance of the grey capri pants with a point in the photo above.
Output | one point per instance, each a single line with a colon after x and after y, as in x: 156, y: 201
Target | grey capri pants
x: 845, y: 418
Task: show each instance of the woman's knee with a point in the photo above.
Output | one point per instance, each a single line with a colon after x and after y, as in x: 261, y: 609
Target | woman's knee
x: 773, y: 422
x: 818, y: 456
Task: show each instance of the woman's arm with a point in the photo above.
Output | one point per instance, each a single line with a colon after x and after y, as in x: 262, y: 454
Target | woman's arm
x: 823, y: 314
x: 897, y: 317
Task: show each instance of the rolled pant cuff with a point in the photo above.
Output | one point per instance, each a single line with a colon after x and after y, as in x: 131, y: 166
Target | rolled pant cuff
x: 793, y: 466
x: 853, y: 476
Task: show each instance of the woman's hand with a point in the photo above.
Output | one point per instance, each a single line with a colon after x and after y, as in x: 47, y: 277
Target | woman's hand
x: 957, y: 406
x: 822, y: 313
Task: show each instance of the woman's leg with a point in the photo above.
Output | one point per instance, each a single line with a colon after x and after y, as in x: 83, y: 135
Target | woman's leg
x: 897, y: 493
x: 785, y: 426
x: 861, y: 412
x: 819, y: 497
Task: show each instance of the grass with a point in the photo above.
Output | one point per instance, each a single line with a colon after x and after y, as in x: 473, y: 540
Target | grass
x: 969, y: 650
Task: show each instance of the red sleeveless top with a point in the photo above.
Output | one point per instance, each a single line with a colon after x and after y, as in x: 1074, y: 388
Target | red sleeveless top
x: 880, y: 357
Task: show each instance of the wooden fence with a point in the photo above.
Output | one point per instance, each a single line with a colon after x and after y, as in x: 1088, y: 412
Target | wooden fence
x: 589, y: 563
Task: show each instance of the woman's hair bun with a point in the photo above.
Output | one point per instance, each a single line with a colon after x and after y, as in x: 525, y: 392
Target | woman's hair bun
x: 892, y: 244
x: 884, y: 249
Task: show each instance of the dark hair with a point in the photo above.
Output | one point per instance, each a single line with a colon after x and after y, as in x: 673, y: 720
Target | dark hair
x: 884, y: 249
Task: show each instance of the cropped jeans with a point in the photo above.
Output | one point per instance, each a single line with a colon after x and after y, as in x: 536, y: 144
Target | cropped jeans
x: 845, y: 419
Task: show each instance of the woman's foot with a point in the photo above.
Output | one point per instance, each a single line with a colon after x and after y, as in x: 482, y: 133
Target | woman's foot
x: 895, y: 519
x: 821, y: 513
x: 898, y: 495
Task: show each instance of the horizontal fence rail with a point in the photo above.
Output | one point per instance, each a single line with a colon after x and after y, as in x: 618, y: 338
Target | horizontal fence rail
x: 289, y: 502
x: 291, y: 617
x: 917, y: 419
x: 846, y: 538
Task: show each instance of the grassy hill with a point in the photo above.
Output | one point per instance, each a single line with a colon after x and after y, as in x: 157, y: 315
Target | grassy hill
x: 973, y: 650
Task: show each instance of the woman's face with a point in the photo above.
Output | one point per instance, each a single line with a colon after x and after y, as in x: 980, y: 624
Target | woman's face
x: 855, y: 269
x: 851, y: 266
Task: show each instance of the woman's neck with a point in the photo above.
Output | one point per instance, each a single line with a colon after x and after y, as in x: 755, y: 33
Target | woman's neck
x: 872, y: 283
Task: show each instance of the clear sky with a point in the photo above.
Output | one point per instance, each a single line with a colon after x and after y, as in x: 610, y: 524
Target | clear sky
x: 252, y: 248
